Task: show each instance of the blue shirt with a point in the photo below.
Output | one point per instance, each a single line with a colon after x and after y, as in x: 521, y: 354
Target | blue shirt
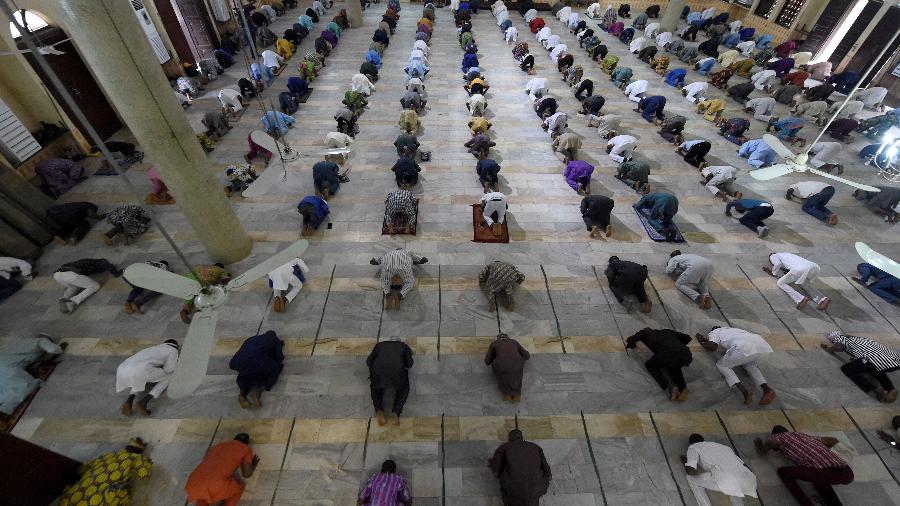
x: 320, y: 205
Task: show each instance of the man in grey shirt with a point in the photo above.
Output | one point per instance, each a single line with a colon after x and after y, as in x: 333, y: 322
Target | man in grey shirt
x: 693, y: 271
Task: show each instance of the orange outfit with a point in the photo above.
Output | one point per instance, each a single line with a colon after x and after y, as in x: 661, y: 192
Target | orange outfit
x: 213, y: 479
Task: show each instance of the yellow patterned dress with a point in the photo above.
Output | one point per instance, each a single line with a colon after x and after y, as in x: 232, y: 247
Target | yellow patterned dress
x: 105, y: 480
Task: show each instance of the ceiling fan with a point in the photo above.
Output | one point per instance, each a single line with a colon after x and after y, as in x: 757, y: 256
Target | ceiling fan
x: 44, y: 50
x: 797, y: 163
x: 875, y: 258
x: 198, y: 342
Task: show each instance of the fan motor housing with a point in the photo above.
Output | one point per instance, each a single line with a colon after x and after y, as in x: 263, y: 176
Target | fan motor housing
x: 210, y: 297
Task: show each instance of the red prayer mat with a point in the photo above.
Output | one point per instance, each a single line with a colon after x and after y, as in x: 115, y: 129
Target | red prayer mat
x: 484, y: 234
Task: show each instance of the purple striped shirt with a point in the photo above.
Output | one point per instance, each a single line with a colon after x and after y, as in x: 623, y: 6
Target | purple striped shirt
x: 385, y: 489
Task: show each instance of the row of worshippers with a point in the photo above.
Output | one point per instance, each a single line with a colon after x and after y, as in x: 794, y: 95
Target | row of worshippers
x: 401, y: 205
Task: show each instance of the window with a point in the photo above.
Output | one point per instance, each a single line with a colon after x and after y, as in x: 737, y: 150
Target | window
x: 764, y: 8
x: 32, y: 21
x: 789, y: 12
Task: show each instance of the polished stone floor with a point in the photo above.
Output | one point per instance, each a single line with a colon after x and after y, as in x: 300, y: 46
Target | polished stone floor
x: 610, y: 435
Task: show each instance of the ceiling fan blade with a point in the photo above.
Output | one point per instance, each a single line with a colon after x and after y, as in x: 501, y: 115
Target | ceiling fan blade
x: 288, y: 154
x: 194, y: 357
x: 777, y: 146
x: 875, y: 258
x: 772, y: 172
x: 273, y: 262
x: 854, y: 184
x: 162, y: 281
x: 265, y: 181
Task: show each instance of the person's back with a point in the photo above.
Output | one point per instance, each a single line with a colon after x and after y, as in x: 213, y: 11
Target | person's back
x: 523, y: 471
x: 213, y: 475
x: 740, y: 340
x: 388, y: 359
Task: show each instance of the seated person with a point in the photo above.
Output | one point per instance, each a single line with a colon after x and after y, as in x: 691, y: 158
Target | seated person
x: 627, y: 278
x: 595, y: 211
x: 129, y: 219
x: 406, y: 173
x: 313, y: 209
x: 16, y: 355
x: 409, y: 121
x: 59, y: 175
x: 754, y: 212
x: 662, y: 207
x: 500, y: 278
x: 72, y: 221
x: 493, y: 210
x: 400, y: 211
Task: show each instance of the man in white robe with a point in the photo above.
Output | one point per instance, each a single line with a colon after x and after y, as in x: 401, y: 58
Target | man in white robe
x: 543, y: 34
x: 620, y: 147
x: 150, y: 365
x: 761, y: 108
x: 512, y: 35
x: 637, y: 44
x: 798, y: 271
x: 536, y: 87
x: 361, y: 84
x: 742, y: 349
x: 635, y: 90
x: 663, y: 39
x: 594, y: 11
x: 231, y: 100
x: 651, y: 30
x: 759, y: 79
x: 746, y: 48
x: 694, y: 91
x: 287, y: 278
x: 557, y: 50
x: 714, y: 466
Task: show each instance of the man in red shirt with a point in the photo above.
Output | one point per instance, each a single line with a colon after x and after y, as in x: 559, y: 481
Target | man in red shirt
x: 213, y: 479
x: 813, y: 462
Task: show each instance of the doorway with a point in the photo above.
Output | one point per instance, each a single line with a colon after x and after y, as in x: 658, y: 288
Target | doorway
x: 189, y: 27
x: 77, y: 80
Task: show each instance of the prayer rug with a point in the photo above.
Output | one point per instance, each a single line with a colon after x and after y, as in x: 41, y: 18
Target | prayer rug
x: 41, y: 371
x: 399, y: 230
x: 305, y: 96
x: 654, y: 235
x: 279, y: 69
x: 484, y: 234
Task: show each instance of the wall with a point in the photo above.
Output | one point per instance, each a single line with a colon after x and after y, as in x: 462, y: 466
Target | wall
x: 27, y: 99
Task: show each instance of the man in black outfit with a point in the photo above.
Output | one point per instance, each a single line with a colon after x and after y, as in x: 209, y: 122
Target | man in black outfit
x: 389, y: 364
x: 670, y: 354
x: 72, y: 219
x: 627, y: 278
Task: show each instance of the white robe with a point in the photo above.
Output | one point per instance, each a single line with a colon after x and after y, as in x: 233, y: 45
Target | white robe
x: 536, y: 86
x: 759, y: 79
x: 622, y: 146
x: 150, y: 365
x: 512, y: 34
x: 563, y: 14
x: 556, y: 120
x: 361, y: 84
x: 746, y: 48
x: 557, y: 50
x: 594, y: 11
x: 708, y: 13
x: 501, y: 17
x: 801, y: 58
x: 543, y: 34
x: 551, y: 42
x: 229, y: 99
x: 720, y: 469
x: 605, y: 124
x: 284, y: 278
x: 735, y: 26
x: 694, y: 91
x: 663, y: 39
x: 493, y: 202
x: 637, y: 44
x: 728, y: 57
x: 498, y: 7
x: 872, y: 97
x: 850, y: 110
x: 271, y: 59
x: 337, y: 140
x: 650, y: 30
x: 573, y: 20
x: 421, y: 45
x: 636, y: 89
x: 823, y: 152
x: 530, y: 14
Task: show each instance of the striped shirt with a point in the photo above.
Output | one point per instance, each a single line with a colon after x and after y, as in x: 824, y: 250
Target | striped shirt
x: 806, y: 450
x: 882, y: 357
x: 401, y: 202
x: 385, y: 489
x: 398, y: 262
x: 500, y: 277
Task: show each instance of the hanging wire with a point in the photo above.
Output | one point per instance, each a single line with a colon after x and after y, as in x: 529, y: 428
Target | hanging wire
x: 30, y: 43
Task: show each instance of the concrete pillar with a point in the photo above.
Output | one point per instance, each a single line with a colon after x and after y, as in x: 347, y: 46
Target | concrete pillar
x: 882, y: 11
x: 668, y: 21
x: 112, y: 44
x: 354, y: 13
x: 14, y: 244
x: 26, y: 195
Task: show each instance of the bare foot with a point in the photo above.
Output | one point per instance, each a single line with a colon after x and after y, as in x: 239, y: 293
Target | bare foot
x: 802, y: 303
x: 705, y: 302
x: 767, y: 269
x: 609, y: 230
x: 395, y: 419
x: 125, y: 409
x: 767, y: 397
x: 59, y: 240
x: 256, y: 396
x: 595, y: 232
x: 245, y: 404
x: 128, y: 308
x: 889, y: 397
x: 492, y: 306
x: 674, y: 395
x: 516, y: 398
x: 748, y: 398
x: 647, y: 306
x: 379, y: 417
x: 278, y: 304
x: 143, y: 410
x: 832, y: 219
x: 824, y: 303
x: 683, y: 395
